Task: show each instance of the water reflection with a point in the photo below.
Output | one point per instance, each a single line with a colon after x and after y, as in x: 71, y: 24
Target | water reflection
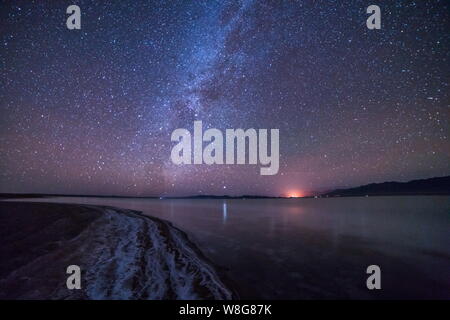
x: 224, y: 212
x: 291, y: 248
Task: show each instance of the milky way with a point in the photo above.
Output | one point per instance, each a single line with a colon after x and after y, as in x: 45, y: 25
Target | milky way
x: 91, y: 111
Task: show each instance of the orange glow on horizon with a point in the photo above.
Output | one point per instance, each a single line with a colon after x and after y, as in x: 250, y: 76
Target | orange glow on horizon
x: 295, y: 194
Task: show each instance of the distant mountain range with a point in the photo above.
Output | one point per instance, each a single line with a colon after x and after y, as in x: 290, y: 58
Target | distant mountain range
x: 432, y: 186
x: 437, y: 186
x: 45, y: 195
x: 223, y: 197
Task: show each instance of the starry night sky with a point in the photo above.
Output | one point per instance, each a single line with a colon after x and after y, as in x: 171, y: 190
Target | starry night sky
x: 91, y: 111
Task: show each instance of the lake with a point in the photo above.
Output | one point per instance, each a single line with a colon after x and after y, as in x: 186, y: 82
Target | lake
x: 315, y: 248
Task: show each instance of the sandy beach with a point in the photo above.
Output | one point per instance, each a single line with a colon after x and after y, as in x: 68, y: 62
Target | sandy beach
x: 122, y: 255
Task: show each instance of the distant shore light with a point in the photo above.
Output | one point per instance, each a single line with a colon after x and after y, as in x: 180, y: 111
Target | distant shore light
x: 295, y: 194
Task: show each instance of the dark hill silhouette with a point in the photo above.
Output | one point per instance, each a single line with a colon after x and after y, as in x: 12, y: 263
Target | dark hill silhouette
x: 437, y: 186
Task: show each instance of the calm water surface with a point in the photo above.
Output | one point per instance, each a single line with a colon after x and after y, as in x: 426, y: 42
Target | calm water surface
x: 315, y: 248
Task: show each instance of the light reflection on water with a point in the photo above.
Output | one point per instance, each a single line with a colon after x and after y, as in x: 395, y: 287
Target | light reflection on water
x: 224, y: 212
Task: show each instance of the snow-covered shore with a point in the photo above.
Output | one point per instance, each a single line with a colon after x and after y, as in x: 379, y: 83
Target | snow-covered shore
x: 122, y: 255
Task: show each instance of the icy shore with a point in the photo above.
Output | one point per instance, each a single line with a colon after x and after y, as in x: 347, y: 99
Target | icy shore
x: 122, y: 255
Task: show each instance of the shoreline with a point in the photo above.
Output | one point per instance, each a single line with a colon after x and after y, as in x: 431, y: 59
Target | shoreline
x: 19, y: 197
x: 122, y: 254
